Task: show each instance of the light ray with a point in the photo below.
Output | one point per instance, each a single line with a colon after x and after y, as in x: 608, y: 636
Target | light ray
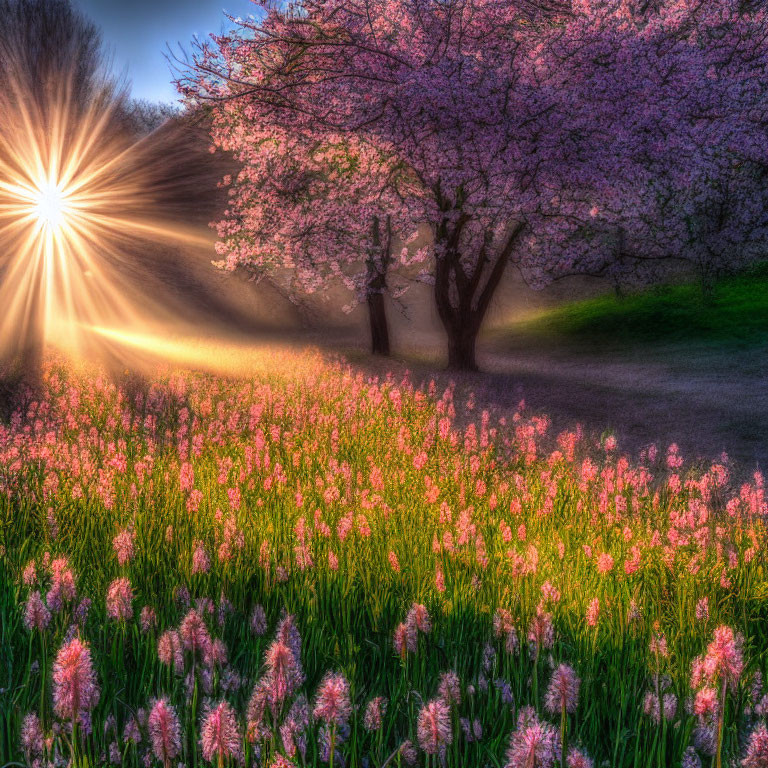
x: 74, y: 200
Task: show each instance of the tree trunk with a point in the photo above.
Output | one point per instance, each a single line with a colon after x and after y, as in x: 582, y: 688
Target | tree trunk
x: 463, y: 292
x: 461, y: 349
x: 376, y: 286
x: 377, y: 316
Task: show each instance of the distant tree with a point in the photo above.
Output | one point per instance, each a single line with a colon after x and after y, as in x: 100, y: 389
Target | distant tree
x: 48, y: 50
x: 682, y: 86
x: 326, y: 208
x: 144, y: 116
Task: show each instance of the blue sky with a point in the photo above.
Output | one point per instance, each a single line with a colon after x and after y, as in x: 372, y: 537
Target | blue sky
x: 136, y: 33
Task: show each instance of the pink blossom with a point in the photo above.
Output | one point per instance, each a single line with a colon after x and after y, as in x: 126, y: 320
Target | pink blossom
x: 186, y: 477
x: 533, y: 744
x: 36, y: 615
x: 449, y: 688
x: 123, y: 545
x: 201, y: 563
x: 541, y: 633
x: 578, y: 759
x: 194, y: 634
x: 31, y: 736
x: 604, y: 563
x: 419, y: 618
x: 374, y: 712
x: 147, y: 618
x: 62, y: 584
x: 756, y: 755
x: 724, y: 657
x: 593, y: 612
x: 169, y: 650
x: 706, y: 702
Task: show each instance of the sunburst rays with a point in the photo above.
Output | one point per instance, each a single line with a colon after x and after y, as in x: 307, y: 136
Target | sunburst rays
x: 75, y: 197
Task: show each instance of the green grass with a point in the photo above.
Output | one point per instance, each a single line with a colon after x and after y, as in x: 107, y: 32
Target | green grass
x: 736, y: 314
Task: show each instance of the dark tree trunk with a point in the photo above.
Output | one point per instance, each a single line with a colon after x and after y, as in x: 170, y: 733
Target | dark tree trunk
x: 463, y: 292
x: 461, y: 349
x: 376, y: 286
x: 377, y: 317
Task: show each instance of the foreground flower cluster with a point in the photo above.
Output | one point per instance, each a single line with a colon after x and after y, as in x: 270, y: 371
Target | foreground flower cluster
x: 310, y: 567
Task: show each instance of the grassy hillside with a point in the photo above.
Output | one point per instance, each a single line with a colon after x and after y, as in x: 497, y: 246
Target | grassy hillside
x: 737, y: 313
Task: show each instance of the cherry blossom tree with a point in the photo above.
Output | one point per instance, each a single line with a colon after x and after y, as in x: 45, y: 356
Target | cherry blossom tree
x: 325, y: 208
x: 564, y: 137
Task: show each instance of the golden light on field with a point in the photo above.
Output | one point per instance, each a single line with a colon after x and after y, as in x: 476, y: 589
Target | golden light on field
x: 176, y: 347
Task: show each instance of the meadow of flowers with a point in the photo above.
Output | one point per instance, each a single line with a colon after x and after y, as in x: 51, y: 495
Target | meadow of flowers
x: 309, y: 567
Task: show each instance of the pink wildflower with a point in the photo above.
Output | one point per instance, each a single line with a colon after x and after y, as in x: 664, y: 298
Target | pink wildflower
x: 201, y: 563
x: 31, y: 737
x: 186, y: 476
x: 284, y: 671
x: 405, y: 639
x: 563, y: 691
x: 220, y: 734
x: 541, y: 633
x: 332, y: 705
x: 577, y: 759
x: 418, y: 616
x: 408, y: 753
x: 169, y: 650
x: 29, y: 575
x: 36, y: 615
x: 119, y: 599
x: 258, y: 620
x: 374, y: 713
x: 123, y: 546
x: 434, y: 727
x: 756, y: 755
x: 604, y: 563
x: 724, y: 657
x: 706, y: 702
x: 62, y: 584
x: 164, y: 731
x: 194, y: 634
x: 147, y: 619
x: 593, y: 612
x: 75, y: 692
x: 449, y: 689
x: 534, y: 744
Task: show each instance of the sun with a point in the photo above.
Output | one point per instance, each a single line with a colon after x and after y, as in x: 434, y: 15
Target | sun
x: 51, y: 205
